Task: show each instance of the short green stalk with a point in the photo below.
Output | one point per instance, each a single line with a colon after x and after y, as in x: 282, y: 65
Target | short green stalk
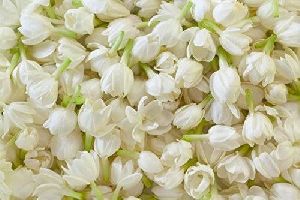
x: 97, y: 192
x: 127, y: 52
x: 210, y: 25
x: 105, y: 169
x: 195, y: 137
x: 66, y: 63
x: 88, y: 142
x: 128, y: 154
x: 117, y: 43
x: 186, y: 8
x: 249, y: 100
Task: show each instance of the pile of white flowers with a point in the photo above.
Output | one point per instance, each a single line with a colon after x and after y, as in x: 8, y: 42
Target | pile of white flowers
x: 150, y: 99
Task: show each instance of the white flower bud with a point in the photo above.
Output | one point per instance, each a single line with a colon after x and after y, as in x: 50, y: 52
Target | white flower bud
x: 220, y: 113
x: 106, y: 9
x: 162, y: 86
x: 100, y: 59
x: 235, y: 41
x: 287, y: 66
x: 169, y: 178
x: 79, y: 21
x: 21, y: 183
x: 284, y: 155
x: 176, y: 193
x: 9, y: 38
x: 168, y: 32
x: 96, y: 39
x: 292, y: 175
x: 287, y: 31
x: 202, y: 46
x: 77, y: 175
x: 149, y: 162
x: 65, y: 147
x: 71, y: 49
x: 281, y: 191
x: 117, y: 80
x: 56, y: 117
x: 207, y: 153
x: 229, y: 12
x: 150, y: 117
x: 25, y: 69
x: 94, y: 117
x: 146, y: 48
x: 265, y: 165
x: 224, y: 138
x: 107, y: 145
x: 257, y: 128
x: 176, y: 153
x: 44, y: 51
x: 198, y: 179
x: 189, y: 73
x: 165, y: 62
x: 126, y: 25
x: 137, y: 91
x: 42, y: 89
x: 90, y: 89
x: 28, y: 139
x: 266, y: 12
x: 276, y: 93
x: 260, y: 67
x: 19, y: 114
x: 9, y: 14
x: 50, y: 185
x: 147, y: 8
x: 225, y: 85
x: 124, y: 175
x: 236, y: 168
x: 199, y: 9
x: 188, y: 116
x: 35, y: 27
x: 38, y: 158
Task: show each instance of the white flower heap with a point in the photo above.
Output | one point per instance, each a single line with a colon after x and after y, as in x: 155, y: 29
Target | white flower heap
x: 150, y: 99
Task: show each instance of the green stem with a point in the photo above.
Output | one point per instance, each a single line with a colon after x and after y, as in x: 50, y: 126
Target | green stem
x: 280, y: 179
x: 97, y: 192
x: 88, y: 142
x: 77, y: 3
x: 195, y: 137
x: 128, y: 154
x: 223, y: 54
x: 14, y: 62
x: 270, y: 41
x: 105, y: 169
x: 117, y: 43
x: 147, y: 182
x: 142, y: 25
x: 127, y: 52
x: 189, y: 163
x: 249, y: 100
x: 116, y: 193
x: 201, y: 125
x: 215, y: 64
x: 209, y: 25
x: 65, y: 32
x: 244, y: 149
x: 276, y: 8
x: 206, y: 100
x: 186, y: 9
x: 66, y: 63
x: 50, y: 12
x: 75, y: 195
